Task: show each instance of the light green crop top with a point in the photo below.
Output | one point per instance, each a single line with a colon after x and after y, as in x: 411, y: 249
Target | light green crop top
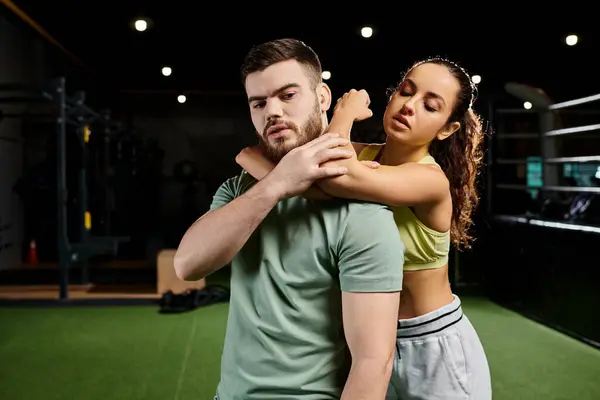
x: 425, y: 247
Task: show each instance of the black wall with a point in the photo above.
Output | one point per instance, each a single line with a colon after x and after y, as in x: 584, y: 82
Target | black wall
x: 549, y: 274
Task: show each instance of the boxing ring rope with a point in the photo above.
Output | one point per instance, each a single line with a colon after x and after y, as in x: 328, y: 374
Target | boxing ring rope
x: 575, y: 102
x: 548, y: 159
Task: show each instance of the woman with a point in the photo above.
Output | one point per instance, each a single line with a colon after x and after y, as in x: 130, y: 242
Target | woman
x: 427, y: 174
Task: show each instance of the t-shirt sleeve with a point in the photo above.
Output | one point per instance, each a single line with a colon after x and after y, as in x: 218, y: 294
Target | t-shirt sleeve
x: 224, y: 194
x: 371, y: 252
x: 230, y: 189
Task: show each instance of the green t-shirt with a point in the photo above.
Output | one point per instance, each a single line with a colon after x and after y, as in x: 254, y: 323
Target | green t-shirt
x: 285, y: 337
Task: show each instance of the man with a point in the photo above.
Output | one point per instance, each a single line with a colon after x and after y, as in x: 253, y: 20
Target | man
x: 310, y: 280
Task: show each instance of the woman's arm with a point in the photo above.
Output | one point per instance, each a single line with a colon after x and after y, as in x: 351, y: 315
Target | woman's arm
x: 409, y: 184
x: 254, y: 162
x: 405, y: 185
x: 353, y: 106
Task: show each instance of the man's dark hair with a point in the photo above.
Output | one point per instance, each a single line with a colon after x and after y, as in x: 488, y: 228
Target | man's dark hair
x: 266, y: 54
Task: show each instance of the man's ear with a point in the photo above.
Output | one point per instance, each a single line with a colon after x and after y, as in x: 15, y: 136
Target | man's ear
x: 446, y: 132
x: 324, y: 96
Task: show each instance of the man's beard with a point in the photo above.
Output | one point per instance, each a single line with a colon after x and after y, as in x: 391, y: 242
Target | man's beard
x: 312, y: 129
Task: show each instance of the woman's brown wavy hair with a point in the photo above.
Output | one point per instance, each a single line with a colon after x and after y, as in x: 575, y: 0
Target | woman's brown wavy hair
x: 460, y: 155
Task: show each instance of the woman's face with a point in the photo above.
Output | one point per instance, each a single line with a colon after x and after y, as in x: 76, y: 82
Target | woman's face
x: 419, y: 109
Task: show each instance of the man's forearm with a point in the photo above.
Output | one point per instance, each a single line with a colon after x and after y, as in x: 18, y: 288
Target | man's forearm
x: 215, y: 238
x: 368, y: 379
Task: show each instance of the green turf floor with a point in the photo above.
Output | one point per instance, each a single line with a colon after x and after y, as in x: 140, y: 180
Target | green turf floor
x: 107, y: 353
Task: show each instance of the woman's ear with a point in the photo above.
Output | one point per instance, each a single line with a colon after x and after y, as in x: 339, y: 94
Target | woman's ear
x: 446, y: 132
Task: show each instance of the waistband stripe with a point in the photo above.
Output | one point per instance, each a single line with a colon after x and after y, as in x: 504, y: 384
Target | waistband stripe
x: 400, y: 335
x: 432, y: 322
x: 404, y: 325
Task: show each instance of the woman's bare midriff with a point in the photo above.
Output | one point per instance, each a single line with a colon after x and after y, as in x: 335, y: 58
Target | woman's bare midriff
x: 424, y: 291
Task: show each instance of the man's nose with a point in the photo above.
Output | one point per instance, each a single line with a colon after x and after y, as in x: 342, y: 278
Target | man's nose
x: 273, y: 109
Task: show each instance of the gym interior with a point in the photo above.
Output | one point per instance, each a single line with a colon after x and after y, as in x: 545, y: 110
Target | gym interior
x: 119, y: 121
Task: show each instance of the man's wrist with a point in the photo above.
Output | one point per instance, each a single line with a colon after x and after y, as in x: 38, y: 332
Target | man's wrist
x: 368, y: 379
x: 270, y: 190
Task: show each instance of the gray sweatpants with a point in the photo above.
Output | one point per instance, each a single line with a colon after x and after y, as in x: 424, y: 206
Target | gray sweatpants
x: 439, y: 356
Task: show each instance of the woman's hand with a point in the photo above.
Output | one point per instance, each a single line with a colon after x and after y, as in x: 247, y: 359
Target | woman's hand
x: 354, y: 104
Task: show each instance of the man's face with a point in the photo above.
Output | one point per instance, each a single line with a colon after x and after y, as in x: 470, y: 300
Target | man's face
x: 285, y: 109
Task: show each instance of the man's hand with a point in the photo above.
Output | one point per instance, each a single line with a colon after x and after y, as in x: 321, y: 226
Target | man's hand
x: 297, y: 171
x: 256, y: 163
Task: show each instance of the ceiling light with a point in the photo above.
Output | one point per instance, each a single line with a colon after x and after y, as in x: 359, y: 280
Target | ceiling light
x: 141, y: 25
x: 571, y: 40
x: 181, y: 98
x: 166, y: 71
x: 476, y: 79
x: 326, y: 75
x: 366, y: 32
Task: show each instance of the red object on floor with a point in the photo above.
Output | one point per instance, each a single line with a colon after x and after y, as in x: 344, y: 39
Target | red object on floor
x: 32, y: 258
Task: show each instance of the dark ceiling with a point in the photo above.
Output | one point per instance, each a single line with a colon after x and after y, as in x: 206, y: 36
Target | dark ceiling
x: 204, y: 42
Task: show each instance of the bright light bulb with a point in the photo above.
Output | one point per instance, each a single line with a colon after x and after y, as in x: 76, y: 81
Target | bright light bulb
x: 476, y: 79
x: 326, y: 75
x: 366, y: 32
x: 571, y: 40
x: 527, y: 105
x: 141, y: 25
x: 181, y: 98
x: 166, y: 71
